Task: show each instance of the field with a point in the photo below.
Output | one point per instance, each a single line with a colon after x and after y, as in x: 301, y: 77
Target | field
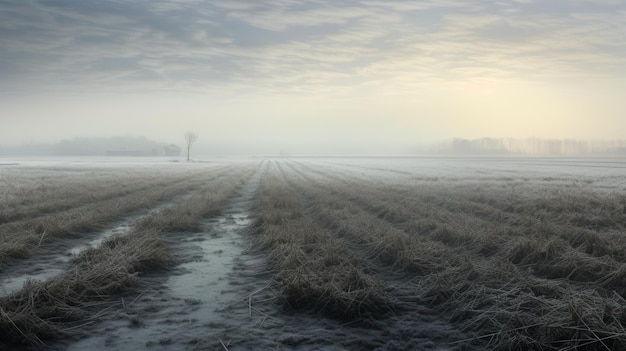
x: 303, y: 254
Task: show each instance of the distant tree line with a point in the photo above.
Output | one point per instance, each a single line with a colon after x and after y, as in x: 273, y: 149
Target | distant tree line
x: 529, y: 146
x: 111, y: 146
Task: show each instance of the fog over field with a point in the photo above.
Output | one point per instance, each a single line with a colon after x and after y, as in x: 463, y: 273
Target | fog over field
x: 314, y: 77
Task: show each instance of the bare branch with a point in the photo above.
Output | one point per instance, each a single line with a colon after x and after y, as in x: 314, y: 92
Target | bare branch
x: 190, y: 138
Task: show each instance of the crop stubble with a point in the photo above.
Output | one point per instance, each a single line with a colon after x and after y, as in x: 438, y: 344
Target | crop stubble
x: 515, y: 262
x: 59, y: 306
x: 521, y: 264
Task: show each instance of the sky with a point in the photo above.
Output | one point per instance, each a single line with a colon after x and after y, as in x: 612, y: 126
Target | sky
x: 312, y: 75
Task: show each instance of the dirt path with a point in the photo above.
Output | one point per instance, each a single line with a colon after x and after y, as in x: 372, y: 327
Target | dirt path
x: 177, y: 310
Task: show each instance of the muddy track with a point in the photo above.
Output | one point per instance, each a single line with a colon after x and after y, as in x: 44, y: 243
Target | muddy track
x: 189, y: 305
x: 54, y: 257
x: 95, y: 280
x: 51, y: 257
x: 25, y: 240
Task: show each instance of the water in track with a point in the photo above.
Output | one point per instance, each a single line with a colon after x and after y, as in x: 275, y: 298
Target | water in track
x: 175, y: 311
x: 54, y: 257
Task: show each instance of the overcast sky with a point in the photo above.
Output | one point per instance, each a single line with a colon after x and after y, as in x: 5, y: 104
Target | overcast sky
x: 308, y: 72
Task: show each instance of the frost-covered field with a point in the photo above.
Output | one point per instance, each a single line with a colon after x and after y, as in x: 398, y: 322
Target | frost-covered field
x: 596, y: 169
x: 313, y: 253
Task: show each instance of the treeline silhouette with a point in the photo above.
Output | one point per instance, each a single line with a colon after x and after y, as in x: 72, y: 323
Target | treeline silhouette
x: 97, y: 146
x: 529, y: 146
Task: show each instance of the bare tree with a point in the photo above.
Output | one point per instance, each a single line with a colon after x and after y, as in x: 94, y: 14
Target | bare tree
x: 190, y: 138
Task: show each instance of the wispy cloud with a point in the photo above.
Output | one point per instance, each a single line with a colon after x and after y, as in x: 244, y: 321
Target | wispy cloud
x: 302, y: 47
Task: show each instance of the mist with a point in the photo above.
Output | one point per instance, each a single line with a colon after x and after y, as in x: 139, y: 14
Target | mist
x: 330, y: 78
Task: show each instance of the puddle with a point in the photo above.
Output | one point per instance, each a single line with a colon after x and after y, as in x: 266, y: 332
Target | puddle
x: 55, y: 257
x: 218, y: 253
x: 121, y: 228
x: 37, y: 271
x: 124, y: 226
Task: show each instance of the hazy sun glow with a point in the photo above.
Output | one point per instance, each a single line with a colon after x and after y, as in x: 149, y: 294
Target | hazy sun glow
x: 293, y: 75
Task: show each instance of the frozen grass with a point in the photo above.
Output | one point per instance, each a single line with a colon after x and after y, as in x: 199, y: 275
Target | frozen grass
x: 30, y: 192
x: 535, y: 264
x: 312, y: 269
x: 187, y: 215
x: 60, y: 305
x: 518, y: 259
x: 45, y: 310
x: 75, y: 216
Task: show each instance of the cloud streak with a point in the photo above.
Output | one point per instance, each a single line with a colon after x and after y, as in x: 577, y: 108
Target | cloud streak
x: 290, y: 45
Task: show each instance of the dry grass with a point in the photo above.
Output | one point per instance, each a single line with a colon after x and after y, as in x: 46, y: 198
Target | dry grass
x: 19, y: 238
x: 49, y: 309
x: 59, y: 306
x: 518, y: 263
x: 36, y: 191
x: 187, y: 215
x: 312, y: 269
x: 532, y: 265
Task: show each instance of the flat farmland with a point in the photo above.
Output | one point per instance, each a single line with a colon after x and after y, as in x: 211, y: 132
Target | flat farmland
x: 312, y: 253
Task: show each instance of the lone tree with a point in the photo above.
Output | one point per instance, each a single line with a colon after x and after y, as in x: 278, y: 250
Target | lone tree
x: 190, y: 138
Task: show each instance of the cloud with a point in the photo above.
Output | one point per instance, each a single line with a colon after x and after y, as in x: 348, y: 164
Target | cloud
x: 311, y: 47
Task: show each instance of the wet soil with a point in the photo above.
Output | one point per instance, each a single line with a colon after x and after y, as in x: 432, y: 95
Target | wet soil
x: 52, y: 258
x: 181, y: 308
